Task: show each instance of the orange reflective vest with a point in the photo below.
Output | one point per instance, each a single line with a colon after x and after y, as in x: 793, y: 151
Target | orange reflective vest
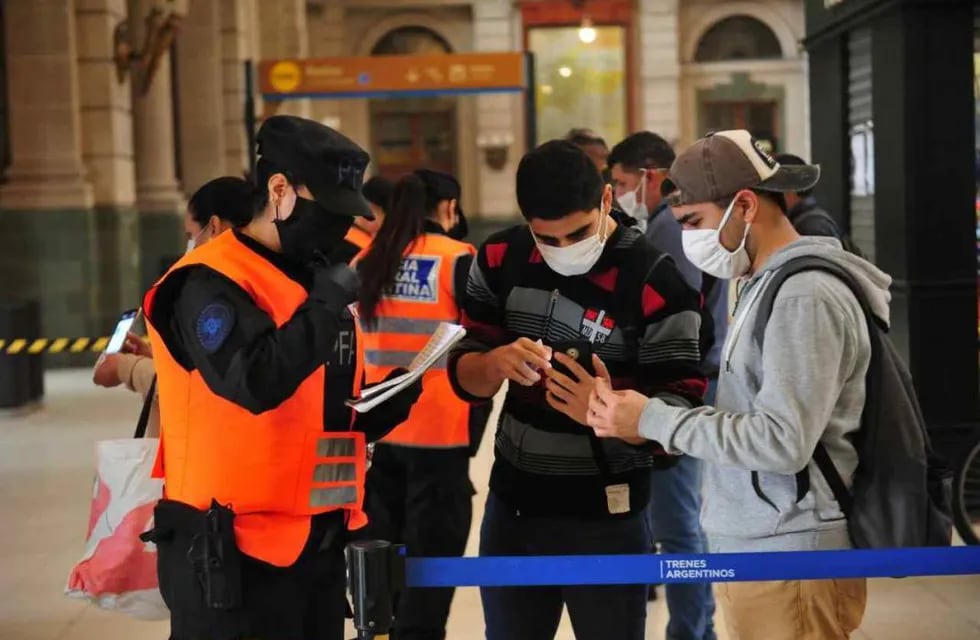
x: 275, y: 469
x: 358, y: 237
x: 410, y: 311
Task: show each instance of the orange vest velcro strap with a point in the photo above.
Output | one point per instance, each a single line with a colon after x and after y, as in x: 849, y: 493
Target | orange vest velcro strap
x: 337, y: 471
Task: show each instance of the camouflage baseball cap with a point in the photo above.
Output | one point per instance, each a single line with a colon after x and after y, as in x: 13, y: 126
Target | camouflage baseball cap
x: 723, y: 163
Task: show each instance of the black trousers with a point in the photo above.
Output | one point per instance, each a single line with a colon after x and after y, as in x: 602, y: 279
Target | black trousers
x: 421, y: 498
x: 305, y: 601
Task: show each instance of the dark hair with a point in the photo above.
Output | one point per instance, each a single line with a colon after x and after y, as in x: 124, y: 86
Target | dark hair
x: 377, y: 191
x: 775, y: 197
x: 228, y: 197
x: 584, y: 137
x: 642, y: 150
x: 411, y: 206
x: 791, y: 160
x: 557, y: 179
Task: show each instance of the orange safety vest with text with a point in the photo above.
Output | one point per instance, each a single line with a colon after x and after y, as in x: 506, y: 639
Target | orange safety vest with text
x: 275, y: 469
x: 407, y: 316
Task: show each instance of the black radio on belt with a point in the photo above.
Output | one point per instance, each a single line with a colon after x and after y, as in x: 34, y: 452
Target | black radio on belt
x: 216, y: 560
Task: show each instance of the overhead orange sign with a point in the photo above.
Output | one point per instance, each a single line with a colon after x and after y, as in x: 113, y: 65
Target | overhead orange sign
x: 373, y: 75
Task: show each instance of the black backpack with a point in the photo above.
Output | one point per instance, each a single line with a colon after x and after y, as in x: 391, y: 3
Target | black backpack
x: 901, y: 496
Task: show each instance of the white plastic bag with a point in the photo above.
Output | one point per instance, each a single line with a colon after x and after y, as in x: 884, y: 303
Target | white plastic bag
x: 119, y: 571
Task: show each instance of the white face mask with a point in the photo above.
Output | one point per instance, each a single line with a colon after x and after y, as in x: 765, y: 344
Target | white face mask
x: 578, y: 258
x: 634, y: 203
x: 192, y: 242
x: 704, y: 249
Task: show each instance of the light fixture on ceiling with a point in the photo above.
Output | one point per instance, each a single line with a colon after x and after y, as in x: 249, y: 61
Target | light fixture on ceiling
x: 586, y: 32
x: 565, y: 71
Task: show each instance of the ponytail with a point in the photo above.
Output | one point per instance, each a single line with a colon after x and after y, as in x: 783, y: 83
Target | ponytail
x: 403, y: 224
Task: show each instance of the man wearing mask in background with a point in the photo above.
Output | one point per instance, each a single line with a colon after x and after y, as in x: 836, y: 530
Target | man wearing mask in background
x: 256, y: 352
x: 804, y: 386
x: 571, y: 272
x: 808, y: 217
x: 594, y: 146
x: 639, y: 166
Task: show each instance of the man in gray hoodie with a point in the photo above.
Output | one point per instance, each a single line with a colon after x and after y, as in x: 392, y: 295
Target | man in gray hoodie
x: 805, y: 385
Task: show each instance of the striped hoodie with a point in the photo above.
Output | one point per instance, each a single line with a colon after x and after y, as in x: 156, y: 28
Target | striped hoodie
x: 546, y: 464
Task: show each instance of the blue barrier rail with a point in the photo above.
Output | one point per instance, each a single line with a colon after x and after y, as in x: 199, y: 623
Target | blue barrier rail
x: 666, y: 569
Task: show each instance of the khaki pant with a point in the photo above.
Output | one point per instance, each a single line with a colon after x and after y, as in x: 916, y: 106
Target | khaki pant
x: 792, y: 610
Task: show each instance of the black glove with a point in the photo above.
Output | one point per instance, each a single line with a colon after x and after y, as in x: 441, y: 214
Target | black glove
x: 379, y: 421
x: 335, y: 286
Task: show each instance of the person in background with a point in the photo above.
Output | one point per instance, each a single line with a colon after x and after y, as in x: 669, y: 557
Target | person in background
x: 418, y: 487
x: 594, y: 146
x: 570, y: 273
x: 639, y: 167
x: 807, y: 217
x: 221, y: 204
x: 377, y: 192
x: 805, y: 385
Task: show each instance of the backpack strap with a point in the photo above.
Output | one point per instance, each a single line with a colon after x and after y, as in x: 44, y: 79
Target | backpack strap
x: 768, y: 299
x: 144, y: 418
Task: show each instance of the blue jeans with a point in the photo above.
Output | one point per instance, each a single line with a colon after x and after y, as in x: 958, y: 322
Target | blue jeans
x: 533, y: 613
x: 675, y: 511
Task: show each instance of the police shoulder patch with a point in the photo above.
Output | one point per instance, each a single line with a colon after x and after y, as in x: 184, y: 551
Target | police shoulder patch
x: 214, y: 325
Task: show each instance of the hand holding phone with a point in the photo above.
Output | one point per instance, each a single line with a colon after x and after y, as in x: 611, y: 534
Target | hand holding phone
x: 571, y: 378
x: 121, y: 331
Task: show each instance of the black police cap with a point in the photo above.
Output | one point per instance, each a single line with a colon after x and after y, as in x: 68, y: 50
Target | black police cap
x: 328, y: 163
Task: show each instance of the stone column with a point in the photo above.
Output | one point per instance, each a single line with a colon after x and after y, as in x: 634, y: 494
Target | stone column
x: 283, y: 32
x: 239, y: 43
x: 497, y: 115
x: 107, y: 150
x: 153, y: 130
x: 46, y: 169
x: 158, y: 194
x: 200, y: 95
x: 45, y: 249
x: 659, y: 67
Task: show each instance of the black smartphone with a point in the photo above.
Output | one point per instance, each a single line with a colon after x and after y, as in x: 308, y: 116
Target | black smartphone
x: 578, y: 350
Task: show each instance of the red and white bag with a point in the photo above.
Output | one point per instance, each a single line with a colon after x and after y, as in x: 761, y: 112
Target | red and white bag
x: 119, y: 571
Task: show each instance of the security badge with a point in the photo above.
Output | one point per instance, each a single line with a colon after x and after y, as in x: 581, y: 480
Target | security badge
x: 618, y: 498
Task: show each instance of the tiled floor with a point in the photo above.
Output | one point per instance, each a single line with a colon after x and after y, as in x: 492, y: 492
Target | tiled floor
x: 45, y: 488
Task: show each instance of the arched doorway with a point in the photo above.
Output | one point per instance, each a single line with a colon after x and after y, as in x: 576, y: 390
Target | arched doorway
x: 742, y: 104
x: 414, y: 132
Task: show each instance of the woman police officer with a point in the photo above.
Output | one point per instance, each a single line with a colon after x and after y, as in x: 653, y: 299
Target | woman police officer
x: 256, y: 352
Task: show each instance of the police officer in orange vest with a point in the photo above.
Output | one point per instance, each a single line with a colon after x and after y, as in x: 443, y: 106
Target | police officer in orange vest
x: 418, y: 487
x: 377, y: 191
x: 256, y: 351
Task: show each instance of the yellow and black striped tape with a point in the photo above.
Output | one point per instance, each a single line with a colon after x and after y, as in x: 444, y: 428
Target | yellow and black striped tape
x: 37, y: 346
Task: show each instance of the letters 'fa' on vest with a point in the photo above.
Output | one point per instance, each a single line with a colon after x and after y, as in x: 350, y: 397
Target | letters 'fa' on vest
x: 409, y: 313
x: 275, y: 469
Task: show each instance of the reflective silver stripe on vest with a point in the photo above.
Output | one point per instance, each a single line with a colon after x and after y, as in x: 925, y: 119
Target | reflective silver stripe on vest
x: 410, y: 326
x: 336, y: 472
x: 342, y: 447
x: 333, y: 497
x: 385, y: 358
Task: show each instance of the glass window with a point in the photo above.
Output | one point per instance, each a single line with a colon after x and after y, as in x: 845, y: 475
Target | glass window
x: 738, y: 38
x: 579, y: 84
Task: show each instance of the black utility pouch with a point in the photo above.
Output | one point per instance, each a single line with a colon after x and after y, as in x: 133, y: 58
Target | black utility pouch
x: 216, y: 559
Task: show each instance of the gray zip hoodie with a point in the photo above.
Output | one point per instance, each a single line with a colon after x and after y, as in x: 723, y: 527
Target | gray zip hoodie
x: 806, y: 385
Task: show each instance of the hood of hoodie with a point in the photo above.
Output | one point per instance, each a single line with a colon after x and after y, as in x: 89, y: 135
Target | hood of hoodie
x: 874, y: 282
